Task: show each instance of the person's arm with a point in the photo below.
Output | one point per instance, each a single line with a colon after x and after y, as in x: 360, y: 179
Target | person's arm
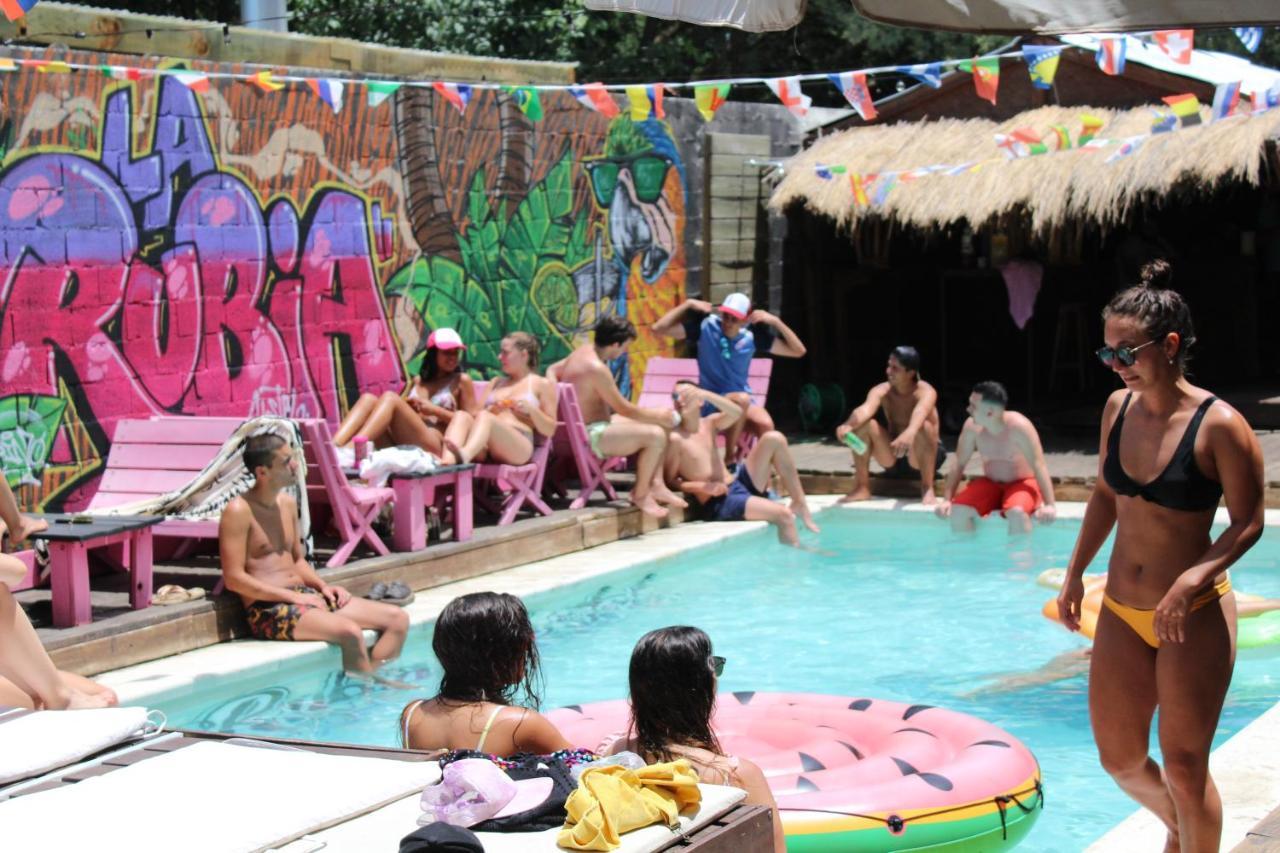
x: 233, y: 545
x: 965, y: 447
x: 752, y: 780
x: 863, y: 413
x: 329, y: 592
x: 1099, y: 518
x: 926, y: 402
x: 1028, y: 441
x: 671, y: 324
x: 790, y: 345
x: 535, y: 733
x: 1238, y: 459
x: 729, y: 410
x: 553, y: 370
x: 543, y: 416
x: 602, y: 382
x: 465, y: 395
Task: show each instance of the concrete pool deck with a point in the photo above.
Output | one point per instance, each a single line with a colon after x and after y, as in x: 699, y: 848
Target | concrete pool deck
x: 1247, y: 767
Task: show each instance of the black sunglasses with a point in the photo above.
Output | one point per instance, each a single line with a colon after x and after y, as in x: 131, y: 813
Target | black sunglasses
x: 717, y: 665
x: 1125, y: 355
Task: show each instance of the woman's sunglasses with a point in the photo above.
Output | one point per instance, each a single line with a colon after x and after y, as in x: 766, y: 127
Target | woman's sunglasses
x: 717, y: 665
x: 1125, y: 355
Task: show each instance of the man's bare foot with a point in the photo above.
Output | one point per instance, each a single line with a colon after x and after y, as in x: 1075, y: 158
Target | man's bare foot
x: 649, y: 506
x: 929, y: 498
x: 860, y: 494
x: 663, y: 495
x: 801, y: 510
x: 84, y: 701
x: 28, y: 526
x: 455, y: 451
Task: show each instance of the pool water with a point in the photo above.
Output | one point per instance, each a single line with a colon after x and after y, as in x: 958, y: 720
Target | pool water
x: 894, y: 606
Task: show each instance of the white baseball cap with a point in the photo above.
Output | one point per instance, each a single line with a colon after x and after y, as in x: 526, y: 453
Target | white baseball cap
x: 445, y: 339
x: 736, y: 305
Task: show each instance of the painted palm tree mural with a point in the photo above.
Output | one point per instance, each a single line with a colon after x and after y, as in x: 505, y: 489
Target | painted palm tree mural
x: 598, y: 233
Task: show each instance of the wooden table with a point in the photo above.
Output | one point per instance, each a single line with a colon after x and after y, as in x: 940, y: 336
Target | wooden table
x: 416, y: 492
x: 69, y: 545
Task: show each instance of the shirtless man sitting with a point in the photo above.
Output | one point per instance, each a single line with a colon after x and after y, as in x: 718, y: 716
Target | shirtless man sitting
x: 1015, y: 477
x: 615, y: 425
x: 696, y: 468
x: 284, y: 598
x: 911, y: 415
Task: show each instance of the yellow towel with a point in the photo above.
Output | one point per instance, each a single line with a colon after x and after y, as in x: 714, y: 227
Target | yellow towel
x: 612, y: 800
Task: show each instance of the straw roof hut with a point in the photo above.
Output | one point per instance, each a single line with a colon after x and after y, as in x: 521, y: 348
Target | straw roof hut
x: 1052, y: 189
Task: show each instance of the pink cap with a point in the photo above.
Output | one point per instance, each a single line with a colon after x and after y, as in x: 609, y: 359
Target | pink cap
x: 736, y: 305
x: 445, y: 338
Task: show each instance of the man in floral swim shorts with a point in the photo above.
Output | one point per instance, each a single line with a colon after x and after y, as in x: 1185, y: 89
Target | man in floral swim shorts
x: 1016, y: 480
x: 284, y: 598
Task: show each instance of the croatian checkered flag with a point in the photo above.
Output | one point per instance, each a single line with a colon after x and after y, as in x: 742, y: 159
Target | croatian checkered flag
x: 1250, y: 37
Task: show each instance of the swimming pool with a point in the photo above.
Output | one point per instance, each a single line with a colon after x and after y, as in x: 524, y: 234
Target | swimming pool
x: 896, y: 608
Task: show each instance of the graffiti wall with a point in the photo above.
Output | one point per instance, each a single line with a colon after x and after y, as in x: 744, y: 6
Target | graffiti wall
x: 232, y: 251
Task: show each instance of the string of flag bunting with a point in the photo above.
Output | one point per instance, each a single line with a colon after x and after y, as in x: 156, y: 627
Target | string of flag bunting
x: 646, y: 99
x: 872, y: 189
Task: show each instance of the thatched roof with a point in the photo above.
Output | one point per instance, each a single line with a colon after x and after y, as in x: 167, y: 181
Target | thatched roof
x: 1053, y: 188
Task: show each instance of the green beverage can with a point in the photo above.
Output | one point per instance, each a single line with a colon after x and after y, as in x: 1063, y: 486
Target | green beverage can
x: 856, y: 444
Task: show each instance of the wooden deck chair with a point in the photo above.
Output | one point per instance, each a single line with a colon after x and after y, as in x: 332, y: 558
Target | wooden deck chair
x: 519, y: 485
x: 661, y: 375
x: 572, y: 445
x: 355, y: 507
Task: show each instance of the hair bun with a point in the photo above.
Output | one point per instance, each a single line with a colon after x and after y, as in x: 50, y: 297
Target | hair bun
x: 1156, y: 274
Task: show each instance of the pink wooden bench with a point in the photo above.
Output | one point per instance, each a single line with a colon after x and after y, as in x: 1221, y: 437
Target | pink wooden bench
x: 661, y: 375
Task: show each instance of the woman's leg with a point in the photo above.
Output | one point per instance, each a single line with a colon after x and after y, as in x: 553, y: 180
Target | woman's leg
x: 24, y: 662
x: 455, y: 435
x: 1192, y: 679
x: 503, y: 442
x: 355, y: 419
x: 393, y: 421
x: 1122, y: 701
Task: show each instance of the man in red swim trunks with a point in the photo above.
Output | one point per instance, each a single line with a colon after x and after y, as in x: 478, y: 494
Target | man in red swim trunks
x: 1015, y: 478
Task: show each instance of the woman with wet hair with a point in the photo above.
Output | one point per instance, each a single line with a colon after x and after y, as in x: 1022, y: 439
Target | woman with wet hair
x: 673, y: 695
x: 1170, y: 451
x: 440, y: 404
x: 485, y: 644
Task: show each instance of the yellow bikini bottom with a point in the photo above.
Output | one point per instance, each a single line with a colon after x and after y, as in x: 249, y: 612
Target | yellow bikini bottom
x: 1143, y: 622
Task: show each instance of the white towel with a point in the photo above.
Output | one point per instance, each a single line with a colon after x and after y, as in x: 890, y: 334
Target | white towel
x: 46, y: 740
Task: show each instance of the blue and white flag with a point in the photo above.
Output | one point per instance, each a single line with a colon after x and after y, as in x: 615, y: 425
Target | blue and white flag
x: 1250, y: 37
x: 929, y: 73
x: 1225, y: 99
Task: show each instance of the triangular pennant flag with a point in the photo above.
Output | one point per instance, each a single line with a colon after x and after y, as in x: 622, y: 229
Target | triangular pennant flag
x: 1250, y: 37
x: 1177, y: 44
x: 1042, y: 64
x: 527, y: 99
x: 595, y: 97
x: 377, y: 91
x: 1185, y: 107
x: 459, y: 94
x: 264, y: 81
x: 788, y: 91
x: 1089, y: 127
x: 7, y: 64
x: 853, y: 85
x: 884, y: 187
x: 1033, y: 141
x: 829, y: 172
x: 1127, y: 147
x: 859, y: 191
x: 1111, y: 53
x: 929, y: 73
x: 646, y: 101
x: 986, y: 76
x: 329, y: 91
x: 1062, y: 136
x: 1012, y: 147
x: 1266, y: 99
x: 710, y: 97
x: 116, y: 72
x: 1225, y: 99
x: 48, y: 66
x: 193, y: 80
x: 15, y: 9
x: 1164, y: 122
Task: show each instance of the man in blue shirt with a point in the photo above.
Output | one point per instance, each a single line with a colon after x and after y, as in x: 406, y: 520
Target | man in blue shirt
x: 727, y: 339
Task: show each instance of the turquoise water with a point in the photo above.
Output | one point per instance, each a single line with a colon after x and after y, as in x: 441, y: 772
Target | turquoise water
x: 896, y: 608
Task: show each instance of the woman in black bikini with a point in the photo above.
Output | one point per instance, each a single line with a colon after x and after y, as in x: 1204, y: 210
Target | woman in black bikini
x: 486, y: 647
x: 1166, y: 633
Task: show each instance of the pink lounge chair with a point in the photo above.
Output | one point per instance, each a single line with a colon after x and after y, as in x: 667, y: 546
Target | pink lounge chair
x: 518, y: 485
x: 661, y: 375
x: 572, y: 444
x: 355, y: 507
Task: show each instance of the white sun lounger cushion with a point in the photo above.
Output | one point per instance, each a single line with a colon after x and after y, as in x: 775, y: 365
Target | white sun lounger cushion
x: 46, y: 740
x: 214, y: 797
x: 383, y: 829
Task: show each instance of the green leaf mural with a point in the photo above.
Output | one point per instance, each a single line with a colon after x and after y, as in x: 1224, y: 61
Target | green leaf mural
x: 516, y: 273
x: 28, y: 426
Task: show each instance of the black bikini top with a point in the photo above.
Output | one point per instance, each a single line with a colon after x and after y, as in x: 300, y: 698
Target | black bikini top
x: 1181, y: 485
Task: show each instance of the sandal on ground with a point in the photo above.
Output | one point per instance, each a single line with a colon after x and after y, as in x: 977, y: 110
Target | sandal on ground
x: 398, y: 593
x: 174, y: 594
x: 377, y: 592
